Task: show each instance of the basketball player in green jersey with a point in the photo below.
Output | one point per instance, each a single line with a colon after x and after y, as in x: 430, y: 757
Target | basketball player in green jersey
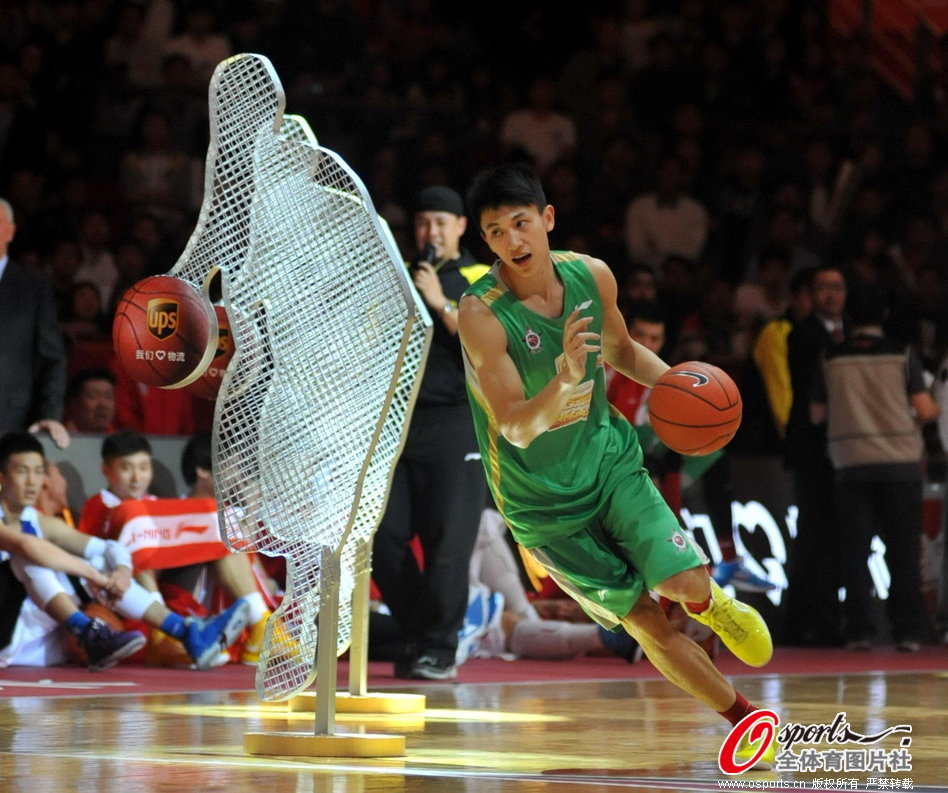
x: 566, y: 470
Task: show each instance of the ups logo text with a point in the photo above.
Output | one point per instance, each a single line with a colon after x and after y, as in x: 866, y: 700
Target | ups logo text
x: 162, y: 317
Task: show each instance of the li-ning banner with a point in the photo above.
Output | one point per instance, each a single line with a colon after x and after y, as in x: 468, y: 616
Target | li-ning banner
x: 168, y: 532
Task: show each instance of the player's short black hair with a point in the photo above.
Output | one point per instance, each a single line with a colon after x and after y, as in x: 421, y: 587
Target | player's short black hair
x: 646, y: 310
x: 509, y: 184
x: 83, y: 376
x: 18, y: 442
x: 122, y: 444
x: 196, y: 454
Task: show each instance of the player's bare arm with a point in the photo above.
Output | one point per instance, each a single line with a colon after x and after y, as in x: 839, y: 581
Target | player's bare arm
x: 114, y: 584
x: 42, y: 552
x: 62, y: 534
x: 618, y: 348
x: 519, y: 419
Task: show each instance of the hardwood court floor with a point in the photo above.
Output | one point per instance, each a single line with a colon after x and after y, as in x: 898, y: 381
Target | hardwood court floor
x: 519, y: 737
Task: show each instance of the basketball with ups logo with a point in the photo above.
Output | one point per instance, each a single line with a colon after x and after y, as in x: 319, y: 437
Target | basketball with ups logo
x: 209, y: 383
x: 160, y: 331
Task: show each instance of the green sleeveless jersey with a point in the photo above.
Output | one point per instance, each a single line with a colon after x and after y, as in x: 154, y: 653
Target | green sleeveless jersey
x: 555, y: 486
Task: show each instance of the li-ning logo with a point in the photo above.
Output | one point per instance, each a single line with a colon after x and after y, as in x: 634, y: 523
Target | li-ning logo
x: 162, y: 317
x: 184, y: 528
x: 533, y: 341
x: 758, y: 730
x: 700, y: 379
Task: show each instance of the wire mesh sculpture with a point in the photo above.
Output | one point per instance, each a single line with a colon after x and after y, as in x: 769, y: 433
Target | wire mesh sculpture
x: 330, y: 338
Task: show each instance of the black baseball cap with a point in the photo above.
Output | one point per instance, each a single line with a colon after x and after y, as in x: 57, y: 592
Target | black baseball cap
x: 439, y: 198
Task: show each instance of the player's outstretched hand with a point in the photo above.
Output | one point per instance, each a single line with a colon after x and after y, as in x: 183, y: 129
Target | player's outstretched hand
x: 577, y: 344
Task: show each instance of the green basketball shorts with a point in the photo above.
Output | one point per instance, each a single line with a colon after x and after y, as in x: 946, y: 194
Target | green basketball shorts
x: 633, y: 545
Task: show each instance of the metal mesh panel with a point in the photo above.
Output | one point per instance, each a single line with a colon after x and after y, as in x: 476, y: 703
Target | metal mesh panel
x: 330, y: 337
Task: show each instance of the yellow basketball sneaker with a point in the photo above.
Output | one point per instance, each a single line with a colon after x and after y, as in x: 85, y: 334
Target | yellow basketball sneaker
x: 162, y: 650
x: 745, y: 751
x: 282, y: 643
x: 250, y: 653
x: 740, y: 627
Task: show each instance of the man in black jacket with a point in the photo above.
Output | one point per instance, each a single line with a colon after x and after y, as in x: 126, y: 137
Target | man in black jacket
x: 438, y: 489
x: 812, y: 606
x: 32, y: 356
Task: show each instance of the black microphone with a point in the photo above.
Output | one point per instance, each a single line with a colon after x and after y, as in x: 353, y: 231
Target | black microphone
x: 428, y: 254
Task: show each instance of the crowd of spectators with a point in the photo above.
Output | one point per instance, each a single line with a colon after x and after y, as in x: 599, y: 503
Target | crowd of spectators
x: 703, y: 139
x: 718, y: 147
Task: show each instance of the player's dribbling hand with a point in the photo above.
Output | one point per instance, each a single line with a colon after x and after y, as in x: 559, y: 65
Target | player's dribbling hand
x: 576, y: 345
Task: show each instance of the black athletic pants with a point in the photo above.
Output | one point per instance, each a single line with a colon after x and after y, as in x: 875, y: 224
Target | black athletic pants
x: 438, y: 493
x: 812, y: 609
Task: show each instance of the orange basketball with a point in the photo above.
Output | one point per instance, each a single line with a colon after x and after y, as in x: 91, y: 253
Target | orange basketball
x: 209, y: 383
x: 161, y: 330
x: 695, y: 408
x: 74, y: 650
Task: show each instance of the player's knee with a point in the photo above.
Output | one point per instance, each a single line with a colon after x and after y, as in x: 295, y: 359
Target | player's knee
x: 646, y: 622
x: 688, y: 586
x: 41, y: 583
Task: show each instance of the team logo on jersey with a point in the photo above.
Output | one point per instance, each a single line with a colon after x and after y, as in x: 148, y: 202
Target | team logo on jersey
x: 678, y: 540
x: 533, y: 341
x: 700, y: 379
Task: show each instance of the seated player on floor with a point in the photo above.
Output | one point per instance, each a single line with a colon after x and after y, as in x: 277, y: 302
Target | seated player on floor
x: 53, y: 600
x: 167, y: 535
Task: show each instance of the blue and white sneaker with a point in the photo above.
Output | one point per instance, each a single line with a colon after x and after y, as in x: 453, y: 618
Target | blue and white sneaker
x: 740, y: 577
x: 207, y: 638
x: 483, y: 610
